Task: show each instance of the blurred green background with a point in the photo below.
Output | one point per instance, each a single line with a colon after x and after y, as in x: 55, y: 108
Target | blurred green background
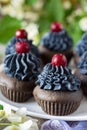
x: 37, y: 15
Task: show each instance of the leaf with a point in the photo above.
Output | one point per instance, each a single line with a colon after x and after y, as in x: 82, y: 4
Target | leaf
x: 43, y: 25
x: 30, y: 2
x: 8, y: 26
x: 58, y: 10
x: 55, y: 10
x: 75, y: 31
x: 52, y: 11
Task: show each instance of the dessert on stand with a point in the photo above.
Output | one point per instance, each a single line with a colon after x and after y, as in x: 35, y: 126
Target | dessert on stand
x: 33, y: 109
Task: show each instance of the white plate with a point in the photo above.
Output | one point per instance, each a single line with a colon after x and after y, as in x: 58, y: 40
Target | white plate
x: 35, y: 110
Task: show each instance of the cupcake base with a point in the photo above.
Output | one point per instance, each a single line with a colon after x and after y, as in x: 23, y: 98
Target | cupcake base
x: 46, y: 55
x: 83, y: 79
x: 15, y: 90
x: 57, y: 102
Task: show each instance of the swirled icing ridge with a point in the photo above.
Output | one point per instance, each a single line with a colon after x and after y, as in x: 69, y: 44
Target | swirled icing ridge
x: 23, y: 66
x: 57, y: 78
x: 57, y: 41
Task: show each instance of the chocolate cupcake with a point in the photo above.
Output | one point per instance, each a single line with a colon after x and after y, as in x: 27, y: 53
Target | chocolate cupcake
x: 80, y: 48
x: 17, y: 80
x: 58, y: 90
x: 55, y: 41
x: 20, y: 36
x: 81, y: 72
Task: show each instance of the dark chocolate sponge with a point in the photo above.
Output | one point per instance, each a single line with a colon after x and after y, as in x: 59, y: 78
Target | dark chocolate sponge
x: 16, y: 90
x: 57, y: 103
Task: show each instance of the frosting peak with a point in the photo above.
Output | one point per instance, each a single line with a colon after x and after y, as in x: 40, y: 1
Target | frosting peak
x: 10, y: 49
x: 58, y: 78
x: 23, y: 66
x: 57, y: 41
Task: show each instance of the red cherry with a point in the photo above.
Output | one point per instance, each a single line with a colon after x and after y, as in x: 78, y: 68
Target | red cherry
x: 56, y: 27
x: 21, y: 33
x: 59, y: 60
x: 22, y: 47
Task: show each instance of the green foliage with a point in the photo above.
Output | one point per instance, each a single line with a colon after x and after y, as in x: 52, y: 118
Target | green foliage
x: 74, y: 31
x: 30, y: 2
x: 8, y: 26
x: 52, y: 11
x: 1, y: 107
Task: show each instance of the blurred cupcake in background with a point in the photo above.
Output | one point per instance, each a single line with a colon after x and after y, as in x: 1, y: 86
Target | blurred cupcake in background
x: 57, y: 40
x: 80, y: 48
x: 81, y: 72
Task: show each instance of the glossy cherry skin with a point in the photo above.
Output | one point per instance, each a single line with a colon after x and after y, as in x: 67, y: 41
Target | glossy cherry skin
x: 59, y: 60
x: 56, y: 27
x: 22, y: 47
x: 21, y: 33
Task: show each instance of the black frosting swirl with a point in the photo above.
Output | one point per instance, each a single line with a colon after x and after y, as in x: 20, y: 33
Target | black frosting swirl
x: 57, y: 41
x: 81, y: 46
x: 57, y: 78
x: 82, y: 65
x: 10, y: 48
x: 23, y: 66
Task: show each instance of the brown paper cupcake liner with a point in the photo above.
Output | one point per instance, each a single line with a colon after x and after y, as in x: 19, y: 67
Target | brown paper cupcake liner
x: 58, y: 108
x: 15, y: 96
